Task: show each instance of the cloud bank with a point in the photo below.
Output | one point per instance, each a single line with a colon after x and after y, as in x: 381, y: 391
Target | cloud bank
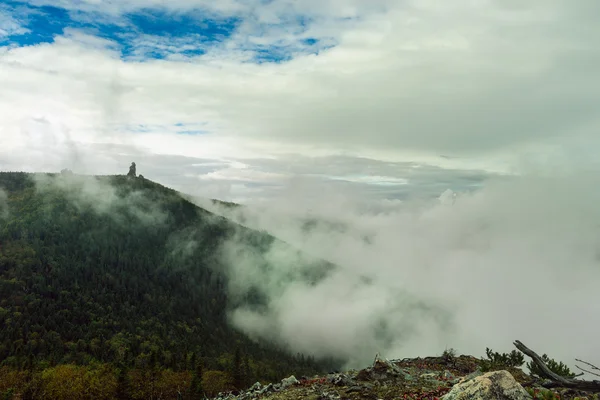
x: 518, y: 259
x: 103, y: 197
x: 493, y: 83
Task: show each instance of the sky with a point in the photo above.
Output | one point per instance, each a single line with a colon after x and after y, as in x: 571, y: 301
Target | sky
x: 233, y: 99
x: 455, y: 143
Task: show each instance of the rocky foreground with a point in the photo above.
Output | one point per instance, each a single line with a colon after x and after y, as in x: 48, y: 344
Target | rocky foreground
x: 432, y: 378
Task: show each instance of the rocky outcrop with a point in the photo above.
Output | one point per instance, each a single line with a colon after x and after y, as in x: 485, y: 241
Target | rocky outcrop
x: 430, y: 378
x: 497, y: 385
x: 417, y: 379
x: 132, y: 172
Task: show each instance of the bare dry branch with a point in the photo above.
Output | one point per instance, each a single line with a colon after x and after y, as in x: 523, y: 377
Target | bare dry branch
x: 585, y: 370
x: 557, y: 380
x: 587, y: 363
x: 591, y: 365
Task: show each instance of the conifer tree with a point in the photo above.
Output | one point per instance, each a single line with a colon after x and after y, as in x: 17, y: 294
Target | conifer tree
x: 246, y: 371
x: 196, y: 389
x: 237, y: 372
x: 122, y: 392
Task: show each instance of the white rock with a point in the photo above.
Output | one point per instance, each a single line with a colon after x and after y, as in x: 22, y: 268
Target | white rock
x: 287, y: 382
x: 496, y: 385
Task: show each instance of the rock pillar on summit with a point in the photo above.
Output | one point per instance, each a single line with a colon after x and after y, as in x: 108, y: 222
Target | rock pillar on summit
x: 132, y: 170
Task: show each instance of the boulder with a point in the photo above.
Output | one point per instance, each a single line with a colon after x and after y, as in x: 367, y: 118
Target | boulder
x: 267, y: 389
x: 380, y: 370
x: 496, y: 385
x: 287, y: 382
x: 340, y: 380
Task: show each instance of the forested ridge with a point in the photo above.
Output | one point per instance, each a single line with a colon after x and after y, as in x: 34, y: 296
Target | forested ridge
x: 114, y: 284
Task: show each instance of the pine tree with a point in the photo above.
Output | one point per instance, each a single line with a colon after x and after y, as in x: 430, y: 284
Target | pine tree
x: 237, y: 371
x: 122, y: 392
x: 193, y: 361
x: 196, y: 389
x: 246, y: 371
x: 153, y: 372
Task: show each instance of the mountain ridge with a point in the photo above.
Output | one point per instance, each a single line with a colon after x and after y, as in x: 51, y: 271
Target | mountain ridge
x: 126, y: 272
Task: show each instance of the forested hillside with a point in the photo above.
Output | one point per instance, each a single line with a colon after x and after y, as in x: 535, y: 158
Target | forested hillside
x: 115, y: 284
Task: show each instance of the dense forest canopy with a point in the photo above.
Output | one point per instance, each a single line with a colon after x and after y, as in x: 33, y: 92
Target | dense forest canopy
x: 122, y: 273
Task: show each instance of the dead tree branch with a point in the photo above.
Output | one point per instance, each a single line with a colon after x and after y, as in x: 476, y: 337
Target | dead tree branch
x: 557, y: 380
x: 591, y: 365
x: 585, y: 370
x: 587, y: 363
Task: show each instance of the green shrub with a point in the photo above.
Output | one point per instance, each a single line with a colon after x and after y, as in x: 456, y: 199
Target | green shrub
x: 496, y: 361
x: 215, y: 382
x: 449, y: 356
x: 543, y: 394
x: 556, y: 367
x: 9, y: 394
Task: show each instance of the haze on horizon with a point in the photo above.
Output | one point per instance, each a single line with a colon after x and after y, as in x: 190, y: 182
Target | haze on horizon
x: 365, y: 115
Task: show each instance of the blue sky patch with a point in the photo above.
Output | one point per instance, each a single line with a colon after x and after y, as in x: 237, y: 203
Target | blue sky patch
x: 157, y: 33
x: 161, y: 22
x: 149, y: 33
x: 192, y: 129
x: 41, y: 23
x: 140, y: 128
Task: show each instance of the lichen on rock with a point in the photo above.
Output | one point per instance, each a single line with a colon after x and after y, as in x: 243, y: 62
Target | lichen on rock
x: 497, y: 385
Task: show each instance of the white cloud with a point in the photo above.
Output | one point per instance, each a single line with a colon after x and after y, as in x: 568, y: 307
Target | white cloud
x: 412, y: 79
x: 270, y: 12
x: 9, y: 25
x: 504, y: 263
x: 243, y: 175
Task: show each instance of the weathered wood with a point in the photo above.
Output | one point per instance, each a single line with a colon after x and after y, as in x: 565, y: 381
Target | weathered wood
x: 555, y: 379
x: 591, y: 365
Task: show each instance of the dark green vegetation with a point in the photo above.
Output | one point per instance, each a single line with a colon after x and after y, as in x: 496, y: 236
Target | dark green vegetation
x: 557, y: 367
x: 496, y: 361
x: 120, y: 280
x: 515, y: 359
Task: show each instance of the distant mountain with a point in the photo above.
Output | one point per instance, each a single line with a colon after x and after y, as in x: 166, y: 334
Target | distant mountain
x: 122, y: 271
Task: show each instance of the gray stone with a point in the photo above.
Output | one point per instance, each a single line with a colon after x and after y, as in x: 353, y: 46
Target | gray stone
x: 328, y: 396
x: 472, y: 375
x: 340, y: 380
x: 266, y: 389
x: 448, y: 375
x: 497, y: 385
x: 382, y: 369
x: 287, y: 382
x: 131, y: 172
